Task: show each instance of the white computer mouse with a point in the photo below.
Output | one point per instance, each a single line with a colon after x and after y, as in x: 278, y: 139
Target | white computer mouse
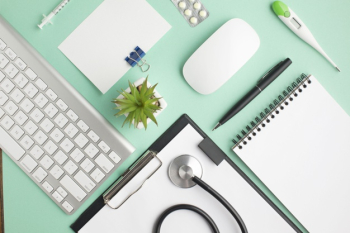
x: 221, y: 56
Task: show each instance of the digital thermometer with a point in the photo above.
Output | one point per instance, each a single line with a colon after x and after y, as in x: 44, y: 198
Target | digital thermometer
x: 298, y: 27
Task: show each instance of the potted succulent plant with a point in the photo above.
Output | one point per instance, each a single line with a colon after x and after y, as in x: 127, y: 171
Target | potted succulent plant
x: 140, y: 103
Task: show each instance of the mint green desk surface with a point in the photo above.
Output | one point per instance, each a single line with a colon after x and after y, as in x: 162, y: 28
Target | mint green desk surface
x: 28, y: 209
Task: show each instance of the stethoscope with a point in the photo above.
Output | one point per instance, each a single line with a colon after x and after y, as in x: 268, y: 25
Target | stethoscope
x: 186, y: 171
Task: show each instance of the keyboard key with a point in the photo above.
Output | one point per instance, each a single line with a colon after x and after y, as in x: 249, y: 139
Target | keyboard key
x: 30, y: 74
x: 104, y: 163
x: 62, y: 192
x: 20, y: 64
x: 56, y: 172
x: 84, y: 181
x: 51, y: 110
x: 87, y: 165
x: 3, y: 98
x: 11, y: 108
x: 2, y: 45
x: 31, y: 90
x: 17, y: 132
x: 40, y: 174
x: 2, y: 113
x: 70, y: 167
x: 72, y: 115
x: 77, y: 155
x: 7, y: 85
x: 21, y: 80
x: 7, y: 122
x: 12, y: 147
x: 67, y: 145
x: 104, y: 146
x: 81, y: 124
x: 21, y: 118
x: 114, y: 157
x: 47, y: 187
x: 81, y: 140
x: 28, y: 163
x: 47, y: 125
x: 60, y: 157
x: 41, y: 100
x: 67, y: 206
x: 71, y: 130
x: 93, y: 136
x: 40, y: 137
x: 91, y: 150
x: 11, y: 70
x: 61, y: 120
x: 2, y: 76
x: 37, y: 115
x: 57, y: 135
x: 50, y: 147
x: 27, y: 142
x: 57, y: 196
x: 9, y: 52
x: 46, y: 161
x: 40, y: 83
x: 52, y: 95
x: 17, y: 95
x: 3, y: 61
x: 30, y: 127
x: 36, y: 152
x: 97, y: 175
x: 72, y: 188
x: 27, y: 105
x: 62, y: 105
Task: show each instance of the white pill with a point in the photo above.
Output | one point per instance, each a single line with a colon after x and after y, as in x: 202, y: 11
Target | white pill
x: 182, y: 5
x: 203, y: 14
x: 193, y: 20
x: 197, y: 5
x: 188, y: 12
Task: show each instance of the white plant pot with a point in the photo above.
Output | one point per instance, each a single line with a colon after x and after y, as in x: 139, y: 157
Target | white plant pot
x: 162, y: 102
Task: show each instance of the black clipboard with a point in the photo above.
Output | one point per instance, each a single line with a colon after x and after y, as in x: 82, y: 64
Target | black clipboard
x: 207, y: 146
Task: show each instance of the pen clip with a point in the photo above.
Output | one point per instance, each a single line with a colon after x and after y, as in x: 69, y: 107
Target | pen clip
x: 268, y: 72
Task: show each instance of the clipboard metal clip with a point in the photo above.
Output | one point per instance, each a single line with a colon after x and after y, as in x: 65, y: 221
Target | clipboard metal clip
x: 128, y: 175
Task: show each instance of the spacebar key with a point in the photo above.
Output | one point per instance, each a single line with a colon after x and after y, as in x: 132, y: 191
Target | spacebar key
x: 73, y: 188
x: 10, y: 146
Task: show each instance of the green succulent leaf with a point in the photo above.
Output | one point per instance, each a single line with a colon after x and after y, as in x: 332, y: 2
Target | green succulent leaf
x: 150, y: 115
x: 128, y: 120
x: 144, y: 119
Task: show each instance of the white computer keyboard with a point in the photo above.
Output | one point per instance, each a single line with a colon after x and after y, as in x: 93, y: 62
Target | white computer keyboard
x: 48, y: 138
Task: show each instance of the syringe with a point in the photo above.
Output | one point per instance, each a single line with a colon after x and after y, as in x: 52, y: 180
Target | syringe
x: 47, y: 19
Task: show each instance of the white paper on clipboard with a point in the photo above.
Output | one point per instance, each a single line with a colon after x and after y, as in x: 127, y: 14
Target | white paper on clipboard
x: 141, y: 211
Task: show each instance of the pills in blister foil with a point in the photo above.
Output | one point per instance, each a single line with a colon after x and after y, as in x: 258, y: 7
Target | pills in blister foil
x: 192, y: 10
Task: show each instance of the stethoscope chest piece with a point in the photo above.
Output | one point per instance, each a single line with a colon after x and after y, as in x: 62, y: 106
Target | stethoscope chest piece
x: 182, y: 169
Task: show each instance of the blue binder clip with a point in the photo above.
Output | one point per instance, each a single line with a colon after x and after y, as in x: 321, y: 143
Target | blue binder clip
x: 135, y: 58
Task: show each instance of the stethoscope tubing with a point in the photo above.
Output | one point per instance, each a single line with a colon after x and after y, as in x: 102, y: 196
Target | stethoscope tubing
x: 186, y: 207
x: 201, y: 212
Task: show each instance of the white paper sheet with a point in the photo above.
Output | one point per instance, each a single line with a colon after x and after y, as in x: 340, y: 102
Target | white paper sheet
x: 303, y: 156
x: 140, y: 212
x: 100, y: 44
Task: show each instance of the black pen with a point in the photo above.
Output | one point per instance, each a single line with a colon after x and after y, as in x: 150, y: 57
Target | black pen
x: 266, y: 80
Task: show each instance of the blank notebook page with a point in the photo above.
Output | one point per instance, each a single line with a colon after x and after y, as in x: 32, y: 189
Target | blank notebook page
x: 303, y: 157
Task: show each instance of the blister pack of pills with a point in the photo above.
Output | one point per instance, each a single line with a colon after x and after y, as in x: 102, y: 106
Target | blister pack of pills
x: 192, y: 10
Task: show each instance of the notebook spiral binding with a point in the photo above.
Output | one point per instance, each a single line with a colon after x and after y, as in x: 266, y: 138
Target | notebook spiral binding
x: 270, y: 112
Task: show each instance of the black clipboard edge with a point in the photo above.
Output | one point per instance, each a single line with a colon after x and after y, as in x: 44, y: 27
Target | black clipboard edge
x: 157, y: 146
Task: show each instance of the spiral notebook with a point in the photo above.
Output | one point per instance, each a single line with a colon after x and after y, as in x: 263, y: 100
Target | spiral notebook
x: 299, y: 147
